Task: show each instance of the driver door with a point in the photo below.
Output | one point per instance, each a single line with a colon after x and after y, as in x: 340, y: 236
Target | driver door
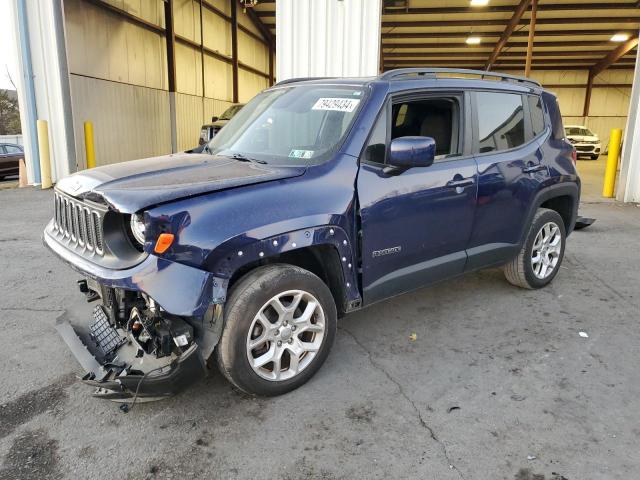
x: 416, y: 223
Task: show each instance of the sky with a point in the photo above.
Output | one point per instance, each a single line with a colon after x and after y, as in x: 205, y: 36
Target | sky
x: 7, y: 48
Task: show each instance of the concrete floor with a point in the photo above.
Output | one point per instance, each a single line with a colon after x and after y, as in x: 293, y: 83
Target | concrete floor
x: 498, y: 383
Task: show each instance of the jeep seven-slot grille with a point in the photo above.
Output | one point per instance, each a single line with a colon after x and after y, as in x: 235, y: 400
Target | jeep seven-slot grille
x: 79, y: 224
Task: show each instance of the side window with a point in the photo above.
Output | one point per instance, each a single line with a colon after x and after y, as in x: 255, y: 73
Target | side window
x: 438, y: 118
x: 377, y: 144
x: 537, y: 114
x: 500, y: 121
x: 12, y: 149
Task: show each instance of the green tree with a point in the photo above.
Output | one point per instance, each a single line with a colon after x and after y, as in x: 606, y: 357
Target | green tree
x: 9, y: 113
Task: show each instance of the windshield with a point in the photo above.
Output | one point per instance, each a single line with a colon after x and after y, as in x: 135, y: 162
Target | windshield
x: 230, y: 112
x: 300, y: 125
x: 578, y: 131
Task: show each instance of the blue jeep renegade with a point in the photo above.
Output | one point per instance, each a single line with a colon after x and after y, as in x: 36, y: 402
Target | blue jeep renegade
x: 320, y: 197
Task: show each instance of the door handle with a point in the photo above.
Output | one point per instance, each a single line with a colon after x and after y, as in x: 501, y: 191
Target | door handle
x: 533, y: 168
x: 464, y: 182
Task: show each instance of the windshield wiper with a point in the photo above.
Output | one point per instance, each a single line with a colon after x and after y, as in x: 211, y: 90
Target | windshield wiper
x: 244, y: 158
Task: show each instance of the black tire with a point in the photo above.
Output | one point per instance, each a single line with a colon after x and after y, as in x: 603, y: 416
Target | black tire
x: 519, y: 271
x: 595, y: 157
x: 247, y: 299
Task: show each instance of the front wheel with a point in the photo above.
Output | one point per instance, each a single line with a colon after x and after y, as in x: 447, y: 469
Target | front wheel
x: 280, y: 323
x: 542, y: 252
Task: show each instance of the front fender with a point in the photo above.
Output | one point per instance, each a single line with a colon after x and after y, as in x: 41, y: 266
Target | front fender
x: 244, y: 250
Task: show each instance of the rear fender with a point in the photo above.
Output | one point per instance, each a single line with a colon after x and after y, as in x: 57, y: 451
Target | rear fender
x: 547, y: 193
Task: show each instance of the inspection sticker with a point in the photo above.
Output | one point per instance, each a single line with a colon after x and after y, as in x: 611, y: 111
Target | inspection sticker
x: 336, y: 104
x: 301, y: 153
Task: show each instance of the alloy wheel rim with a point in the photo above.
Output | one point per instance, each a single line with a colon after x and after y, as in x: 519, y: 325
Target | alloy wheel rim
x: 545, y: 253
x: 285, y: 335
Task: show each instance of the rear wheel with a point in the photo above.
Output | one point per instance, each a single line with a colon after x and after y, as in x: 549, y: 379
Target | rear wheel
x: 280, y: 323
x: 542, y: 252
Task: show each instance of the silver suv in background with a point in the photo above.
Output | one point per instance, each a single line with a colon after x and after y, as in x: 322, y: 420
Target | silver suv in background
x: 207, y: 132
x: 584, y: 140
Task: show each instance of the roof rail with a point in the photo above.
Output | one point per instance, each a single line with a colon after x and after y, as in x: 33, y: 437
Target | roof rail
x: 299, y: 79
x: 432, y: 73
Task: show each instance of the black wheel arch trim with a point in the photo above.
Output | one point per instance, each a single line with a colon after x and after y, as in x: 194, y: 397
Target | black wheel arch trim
x: 550, y: 192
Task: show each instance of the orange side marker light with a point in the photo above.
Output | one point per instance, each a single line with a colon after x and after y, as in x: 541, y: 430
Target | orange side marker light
x: 164, y: 242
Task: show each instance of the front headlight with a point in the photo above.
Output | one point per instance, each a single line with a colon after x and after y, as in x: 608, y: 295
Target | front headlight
x: 137, y: 228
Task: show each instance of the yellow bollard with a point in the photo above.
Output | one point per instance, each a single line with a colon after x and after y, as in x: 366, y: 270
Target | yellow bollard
x: 88, y: 145
x: 22, y: 174
x: 45, y: 160
x: 612, y: 163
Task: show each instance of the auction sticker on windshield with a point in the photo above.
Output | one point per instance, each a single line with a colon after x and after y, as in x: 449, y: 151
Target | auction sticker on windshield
x: 301, y: 153
x: 336, y: 104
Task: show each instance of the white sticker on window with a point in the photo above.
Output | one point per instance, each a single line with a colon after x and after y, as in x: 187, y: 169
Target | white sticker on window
x: 336, y: 104
x: 301, y: 153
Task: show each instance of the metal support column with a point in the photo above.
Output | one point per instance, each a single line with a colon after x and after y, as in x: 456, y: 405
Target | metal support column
x: 170, y: 38
x: 234, y: 47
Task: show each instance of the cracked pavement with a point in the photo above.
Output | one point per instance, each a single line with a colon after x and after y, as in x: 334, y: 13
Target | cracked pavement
x: 495, y: 375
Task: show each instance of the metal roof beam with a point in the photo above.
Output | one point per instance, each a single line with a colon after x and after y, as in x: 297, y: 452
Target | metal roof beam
x: 515, y: 21
x: 511, y: 26
x: 520, y: 34
x: 615, y: 55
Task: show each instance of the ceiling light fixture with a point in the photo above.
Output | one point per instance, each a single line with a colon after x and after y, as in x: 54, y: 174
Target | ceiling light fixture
x: 473, y: 40
x: 620, y: 37
x: 479, y: 3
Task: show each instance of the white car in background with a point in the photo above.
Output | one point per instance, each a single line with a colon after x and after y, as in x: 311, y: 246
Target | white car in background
x: 584, y: 140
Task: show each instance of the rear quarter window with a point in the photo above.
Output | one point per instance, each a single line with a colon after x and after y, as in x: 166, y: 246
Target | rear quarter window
x: 537, y: 114
x: 557, y: 128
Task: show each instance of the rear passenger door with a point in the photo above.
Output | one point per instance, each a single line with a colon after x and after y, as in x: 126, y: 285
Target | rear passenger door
x: 510, y: 172
x: 415, y: 224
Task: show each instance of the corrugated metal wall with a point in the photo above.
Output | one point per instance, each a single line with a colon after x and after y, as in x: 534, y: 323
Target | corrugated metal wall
x: 129, y: 121
x: 327, y: 38
x: 119, y: 75
x: 609, y: 105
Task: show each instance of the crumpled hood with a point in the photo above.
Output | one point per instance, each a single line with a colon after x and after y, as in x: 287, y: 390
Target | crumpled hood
x: 131, y: 186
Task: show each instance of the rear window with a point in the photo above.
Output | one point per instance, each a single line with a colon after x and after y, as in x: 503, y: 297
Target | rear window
x: 500, y: 121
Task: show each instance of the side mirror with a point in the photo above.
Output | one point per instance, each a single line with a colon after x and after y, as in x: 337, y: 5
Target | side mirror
x: 407, y: 152
x: 214, y: 119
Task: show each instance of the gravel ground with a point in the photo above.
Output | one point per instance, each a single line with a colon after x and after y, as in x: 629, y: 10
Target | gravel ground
x: 497, y: 384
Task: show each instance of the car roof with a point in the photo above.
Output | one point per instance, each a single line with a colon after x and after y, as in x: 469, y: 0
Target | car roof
x: 410, y: 79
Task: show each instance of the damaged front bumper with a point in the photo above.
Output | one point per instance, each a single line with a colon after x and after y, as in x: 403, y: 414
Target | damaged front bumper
x: 166, y: 293
x: 120, y: 369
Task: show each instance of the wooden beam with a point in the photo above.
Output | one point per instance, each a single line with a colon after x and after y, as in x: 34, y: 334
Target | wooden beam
x: 532, y: 32
x: 234, y: 47
x: 614, y: 56
x: 511, y: 26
